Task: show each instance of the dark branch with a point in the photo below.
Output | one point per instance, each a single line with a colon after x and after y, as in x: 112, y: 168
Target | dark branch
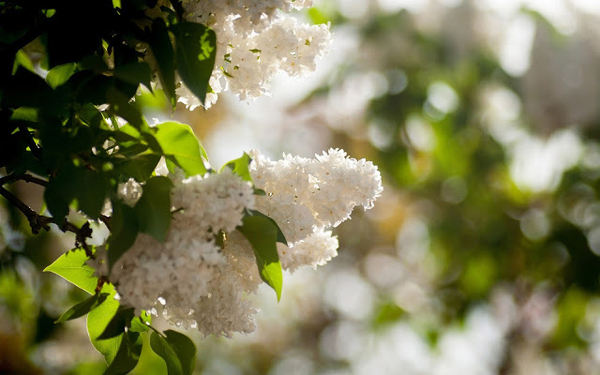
x: 38, y: 222
x: 22, y: 177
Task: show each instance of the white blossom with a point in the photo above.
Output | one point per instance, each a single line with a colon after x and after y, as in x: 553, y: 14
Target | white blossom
x: 193, y: 282
x: 255, y: 41
x: 129, y: 192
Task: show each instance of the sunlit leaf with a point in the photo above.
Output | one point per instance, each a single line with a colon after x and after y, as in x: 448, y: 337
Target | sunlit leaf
x: 97, y: 321
x: 118, y: 323
x: 60, y: 74
x: 240, y: 166
x: 71, y: 267
x: 179, y: 141
x: 128, y: 354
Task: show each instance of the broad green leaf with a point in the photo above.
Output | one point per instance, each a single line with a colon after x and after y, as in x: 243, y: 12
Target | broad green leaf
x: 262, y: 235
x: 196, y: 48
x: 124, y: 231
x: 240, y: 166
x: 82, y: 308
x: 160, y: 44
x: 154, y: 207
x: 25, y: 114
x: 280, y: 236
x: 60, y: 74
x: 120, y: 105
x: 134, y: 73
x: 139, y: 167
x: 179, y: 141
x: 127, y: 356
x: 22, y: 59
x: 97, y: 321
x: 91, y: 191
x: 71, y: 267
x: 117, y: 324
x: 178, y: 351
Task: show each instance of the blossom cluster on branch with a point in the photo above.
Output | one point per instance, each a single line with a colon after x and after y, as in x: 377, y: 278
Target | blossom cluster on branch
x: 193, y: 282
x: 255, y: 41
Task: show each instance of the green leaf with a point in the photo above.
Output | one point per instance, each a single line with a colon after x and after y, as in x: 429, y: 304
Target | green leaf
x: 25, y: 113
x: 141, y: 323
x: 60, y: 74
x: 196, y: 48
x: 179, y: 141
x: 124, y: 230
x: 71, y: 267
x: 262, y: 234
x: 117, y: 324
x: 82, y: 308
x: 139, y: 167
x: 120, y: 105
x: 154, y: 207
x: 91, y: 192
x: 128, y: 354
x: 134, y: 73
x: 97, y: 321
x: 240, y: 166
x: 178, y: 351
x: 160, y: 44
x: 280, y: 236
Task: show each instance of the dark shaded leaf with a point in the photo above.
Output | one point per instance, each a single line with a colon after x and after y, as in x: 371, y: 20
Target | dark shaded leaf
x: 161, y: 46
x: 82, y: 308
x: 154, y: 208
x: 196, y: 48
x: 177, y: 350
x: 124, y: 229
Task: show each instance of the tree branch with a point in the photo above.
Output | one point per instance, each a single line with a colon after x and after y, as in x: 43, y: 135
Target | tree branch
x: 22, y: 177
x: 37, y: 221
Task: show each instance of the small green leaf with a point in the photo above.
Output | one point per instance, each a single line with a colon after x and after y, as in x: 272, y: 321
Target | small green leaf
x: 71, y: 267
x: 240, y: 166
x: 154, y: 208
x: 196, y: 48
x: 60, y: 74
x: 179, y: 141
x: 128, y: 354
x: 117, y: 324
x: 124, y: 231
x: 82, y: 308
x: 97, y: 321
x: 262, y: 234
x: 178, y: 351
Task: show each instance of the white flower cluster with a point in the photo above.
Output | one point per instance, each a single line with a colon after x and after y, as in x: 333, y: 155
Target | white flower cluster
x: 255, y: 40
x: 307, y: 196
x: 175, y: 275
x: 193, y: 282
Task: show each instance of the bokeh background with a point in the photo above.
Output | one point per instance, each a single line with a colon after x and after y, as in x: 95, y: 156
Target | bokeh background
x: 481, y: 257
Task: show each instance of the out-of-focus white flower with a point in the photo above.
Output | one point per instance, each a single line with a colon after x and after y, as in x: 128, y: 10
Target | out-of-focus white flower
x: 130, y: 192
